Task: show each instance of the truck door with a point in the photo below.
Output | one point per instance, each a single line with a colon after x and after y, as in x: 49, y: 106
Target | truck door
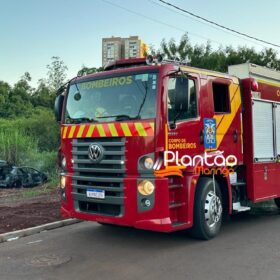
x: 184, y: 127
x: 227, y: 111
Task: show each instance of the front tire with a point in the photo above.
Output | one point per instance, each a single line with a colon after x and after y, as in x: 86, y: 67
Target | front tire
x: 208, y: 210
x: 17, y: 184
x: 277, y: 202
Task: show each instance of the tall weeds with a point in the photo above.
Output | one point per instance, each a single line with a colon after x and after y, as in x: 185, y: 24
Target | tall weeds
x: 16, y: 147
x: 31, y: 142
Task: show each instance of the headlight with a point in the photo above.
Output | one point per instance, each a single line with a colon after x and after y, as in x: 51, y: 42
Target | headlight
x: 63, y: 162
x: 62, y: 181
x: 146, y: 187
x: 148, y: 163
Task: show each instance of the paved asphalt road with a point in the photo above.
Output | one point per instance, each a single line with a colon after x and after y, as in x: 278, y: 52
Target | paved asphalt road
x: 247, y: 248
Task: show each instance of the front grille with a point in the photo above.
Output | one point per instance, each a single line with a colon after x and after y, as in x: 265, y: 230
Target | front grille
x: 107, y: 175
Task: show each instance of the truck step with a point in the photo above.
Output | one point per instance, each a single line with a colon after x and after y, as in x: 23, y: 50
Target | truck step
x: 239, y: 184
x: 237, y: 207
x: 175, y: 186
x: 176, y: 204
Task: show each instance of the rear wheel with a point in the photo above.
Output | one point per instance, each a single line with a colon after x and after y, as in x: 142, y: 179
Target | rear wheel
x: 208, y: 210
x: 277, y: 202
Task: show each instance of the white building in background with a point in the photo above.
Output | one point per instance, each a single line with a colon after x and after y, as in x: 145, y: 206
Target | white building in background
x: 119, y: 48
x: 111, y: 49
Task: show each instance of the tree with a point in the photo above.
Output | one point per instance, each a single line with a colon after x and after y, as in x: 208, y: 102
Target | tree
x: 26, y: 77
x: 23, y: 83
x: 43, y: 96
x: 4, y: 97
x: 85, y: 70
x: 203, y: 56
x: 172, y: 50
x: 151, y: 50
x: 19, y: 100
x: 16, y: 101
x: 56, y: 73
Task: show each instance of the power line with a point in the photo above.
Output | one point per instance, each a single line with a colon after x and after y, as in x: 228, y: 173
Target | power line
x: 219, y: 25
x: 203, y: 22
x: 160, y: 22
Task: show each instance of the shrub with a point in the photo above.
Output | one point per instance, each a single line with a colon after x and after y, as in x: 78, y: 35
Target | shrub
x: 21, y: 149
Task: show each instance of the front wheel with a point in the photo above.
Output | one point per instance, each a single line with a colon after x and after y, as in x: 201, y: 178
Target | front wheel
x: 208, y: 210
x: 17, y: 184
x: 277, y: 202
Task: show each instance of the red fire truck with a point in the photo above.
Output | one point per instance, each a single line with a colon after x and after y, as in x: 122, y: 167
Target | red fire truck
x: 160, y: 145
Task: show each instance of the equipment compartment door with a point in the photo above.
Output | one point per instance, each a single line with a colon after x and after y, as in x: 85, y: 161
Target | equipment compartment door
x: 263, y: 131
x: 277, y: 129
x: 265, y: 143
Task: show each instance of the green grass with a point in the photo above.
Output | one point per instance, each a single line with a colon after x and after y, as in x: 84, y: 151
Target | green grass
x: 38, y: 191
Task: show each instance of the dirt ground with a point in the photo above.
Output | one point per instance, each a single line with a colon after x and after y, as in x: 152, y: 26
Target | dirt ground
x: 23, y: 208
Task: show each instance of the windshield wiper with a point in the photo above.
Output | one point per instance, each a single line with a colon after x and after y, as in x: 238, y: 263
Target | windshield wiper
x: 119, y: 117
x: 83, y: 120
x: 143, y: 101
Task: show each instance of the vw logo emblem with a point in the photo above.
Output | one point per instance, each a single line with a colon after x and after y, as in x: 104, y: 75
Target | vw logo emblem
x: 95, y: 152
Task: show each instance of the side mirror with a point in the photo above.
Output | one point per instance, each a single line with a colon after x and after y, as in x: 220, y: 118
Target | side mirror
x: 181, y: 94
x: 58, y: 105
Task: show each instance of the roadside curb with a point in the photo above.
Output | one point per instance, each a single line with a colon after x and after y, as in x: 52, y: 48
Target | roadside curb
x: 13, y: 235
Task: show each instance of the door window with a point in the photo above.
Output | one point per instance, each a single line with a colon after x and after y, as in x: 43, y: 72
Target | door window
x: 191, y: 98
x: 221, y: 98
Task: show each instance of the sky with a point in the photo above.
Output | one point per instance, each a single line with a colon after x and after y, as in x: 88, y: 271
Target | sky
x: 32, y: 31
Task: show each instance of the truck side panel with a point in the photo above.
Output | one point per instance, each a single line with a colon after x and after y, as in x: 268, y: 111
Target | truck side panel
x: 260, y: 141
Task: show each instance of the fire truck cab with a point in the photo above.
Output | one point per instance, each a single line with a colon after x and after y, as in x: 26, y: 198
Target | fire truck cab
x: 163, y: 146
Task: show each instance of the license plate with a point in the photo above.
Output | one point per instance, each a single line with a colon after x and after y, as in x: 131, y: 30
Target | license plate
x: 96, y: 193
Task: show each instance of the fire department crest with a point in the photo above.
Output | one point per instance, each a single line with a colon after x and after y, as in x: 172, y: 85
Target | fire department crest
x: 210, y: 141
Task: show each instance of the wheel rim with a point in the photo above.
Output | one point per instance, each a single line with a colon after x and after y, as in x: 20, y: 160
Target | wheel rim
x: 213, y: 209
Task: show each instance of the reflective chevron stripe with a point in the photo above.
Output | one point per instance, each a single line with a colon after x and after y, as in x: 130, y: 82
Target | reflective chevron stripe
x: 122, y: 129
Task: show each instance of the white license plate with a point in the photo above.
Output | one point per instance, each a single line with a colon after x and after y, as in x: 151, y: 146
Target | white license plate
x: 96, y: 193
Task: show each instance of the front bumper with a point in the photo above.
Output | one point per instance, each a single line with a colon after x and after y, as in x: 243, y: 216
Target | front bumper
x: 157, y: 218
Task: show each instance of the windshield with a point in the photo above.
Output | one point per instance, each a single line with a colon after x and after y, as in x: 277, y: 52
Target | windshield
x: 112, y: 99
